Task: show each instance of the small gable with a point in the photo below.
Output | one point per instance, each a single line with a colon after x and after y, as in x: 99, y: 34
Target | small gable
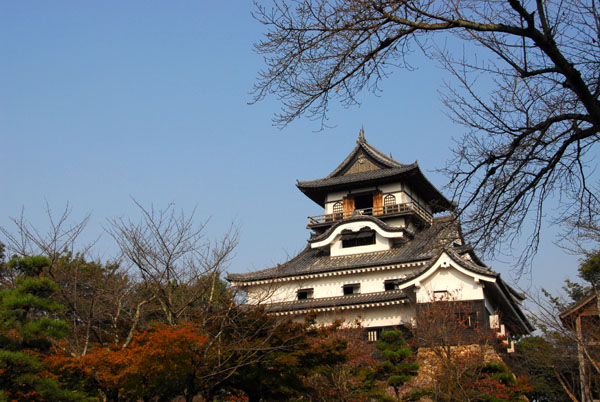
x: 361, y: 164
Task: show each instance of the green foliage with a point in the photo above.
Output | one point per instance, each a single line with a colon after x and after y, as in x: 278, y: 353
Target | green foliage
x: 575, y: 291
x: 29, y: 266
x: 589, y: 270
x: 27, y: 328
x: 541, y: 360
x: 396, y: 369
x: 21, y: 379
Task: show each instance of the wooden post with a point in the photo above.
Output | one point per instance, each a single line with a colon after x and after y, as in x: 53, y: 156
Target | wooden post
x: 586, y: 394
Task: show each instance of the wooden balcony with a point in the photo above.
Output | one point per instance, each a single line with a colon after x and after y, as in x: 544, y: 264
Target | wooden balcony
x: 409, y: 208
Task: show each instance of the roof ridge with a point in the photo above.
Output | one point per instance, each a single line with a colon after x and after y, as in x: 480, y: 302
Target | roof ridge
x: 470, y: 265
x: 361, y: 143
x: 346, y: 160
x: 377, y: 153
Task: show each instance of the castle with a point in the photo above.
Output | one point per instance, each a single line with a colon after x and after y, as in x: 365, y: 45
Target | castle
x: 386, y: 244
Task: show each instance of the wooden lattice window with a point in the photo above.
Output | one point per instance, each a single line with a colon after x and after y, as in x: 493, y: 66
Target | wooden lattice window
x: 389, y: 203
x: 338, y: 209
x: 389, y: 199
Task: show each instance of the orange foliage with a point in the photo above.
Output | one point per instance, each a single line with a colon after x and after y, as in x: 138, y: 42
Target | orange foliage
x: 160, y: 361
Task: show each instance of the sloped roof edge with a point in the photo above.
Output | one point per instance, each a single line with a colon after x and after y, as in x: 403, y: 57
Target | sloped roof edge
x: 358, y: 218
x: 361, y: 143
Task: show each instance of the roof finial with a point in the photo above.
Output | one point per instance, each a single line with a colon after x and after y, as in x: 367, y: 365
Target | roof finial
x: 361, y: 134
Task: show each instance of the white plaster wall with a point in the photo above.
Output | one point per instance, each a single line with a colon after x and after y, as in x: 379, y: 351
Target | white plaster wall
x: 335, y: 196
x: 398, y: 222
x: 334, y: 241
x: 381, y: 244
x: 272, y: 293
x: 369, y: 317
x: 395, y: 189
x: 324, y: 287
x: 458, y: 285
x: 414, y: 196
x: 332, y: 198
x: 390, y: 188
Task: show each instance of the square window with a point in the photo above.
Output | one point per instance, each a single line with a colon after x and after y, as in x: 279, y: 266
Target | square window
x: 361, y: 238
x: 351, y: 289
x: 304, y: 294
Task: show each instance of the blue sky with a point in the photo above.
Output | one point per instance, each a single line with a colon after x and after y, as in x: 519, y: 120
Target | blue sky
x: 104, y: 101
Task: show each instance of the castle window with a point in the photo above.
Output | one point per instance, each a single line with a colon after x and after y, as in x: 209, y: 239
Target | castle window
x: 389, y: 199
x: 304, y: 294
x: 351, y: 289
x: 390, y: 285
x: 389, y: 204
x: 373, y: 335
x: 338, y: 210
x: 360, y: 238
x: 467, y: 318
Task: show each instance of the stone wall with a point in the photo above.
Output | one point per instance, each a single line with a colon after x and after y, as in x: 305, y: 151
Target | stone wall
x: 455, y: 358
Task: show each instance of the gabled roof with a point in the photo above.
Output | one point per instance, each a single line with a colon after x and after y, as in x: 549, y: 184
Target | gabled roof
x: 362, y: 145
x: 587, y: 305
x: 379, y: 169
x: 425, y: 245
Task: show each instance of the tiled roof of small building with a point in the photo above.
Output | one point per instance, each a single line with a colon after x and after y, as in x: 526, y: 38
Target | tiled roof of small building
x: 337, y: 301
x: 425, y: 245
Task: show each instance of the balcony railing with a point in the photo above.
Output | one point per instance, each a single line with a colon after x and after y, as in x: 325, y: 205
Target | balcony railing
x: 388, y: 210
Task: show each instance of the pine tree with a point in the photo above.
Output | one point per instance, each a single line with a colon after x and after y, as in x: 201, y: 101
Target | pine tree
x: 27, y: 328
x: 396, y: 368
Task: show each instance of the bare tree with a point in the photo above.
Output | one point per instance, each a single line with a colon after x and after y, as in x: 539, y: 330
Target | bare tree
x: 60, y: 237
x: 101, y: 303
x: 179, y: 267
x: 528, y: 138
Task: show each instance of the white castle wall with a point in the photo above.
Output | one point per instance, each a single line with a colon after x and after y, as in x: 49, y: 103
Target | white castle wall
x: 368, y: 317
x: 324, y: 287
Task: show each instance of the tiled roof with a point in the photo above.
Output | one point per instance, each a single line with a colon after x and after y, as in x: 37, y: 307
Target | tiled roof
x: 337, y: 301
x: 470, y: 265
x: 356, y: 177
x: 425, y: 245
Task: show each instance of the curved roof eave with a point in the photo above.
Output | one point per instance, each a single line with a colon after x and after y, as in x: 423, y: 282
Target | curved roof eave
x: 358, y: 218
x: 503, y: 289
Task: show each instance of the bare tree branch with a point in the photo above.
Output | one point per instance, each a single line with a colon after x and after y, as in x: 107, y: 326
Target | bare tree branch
x: 529, y: 139
x: 177, y: 264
